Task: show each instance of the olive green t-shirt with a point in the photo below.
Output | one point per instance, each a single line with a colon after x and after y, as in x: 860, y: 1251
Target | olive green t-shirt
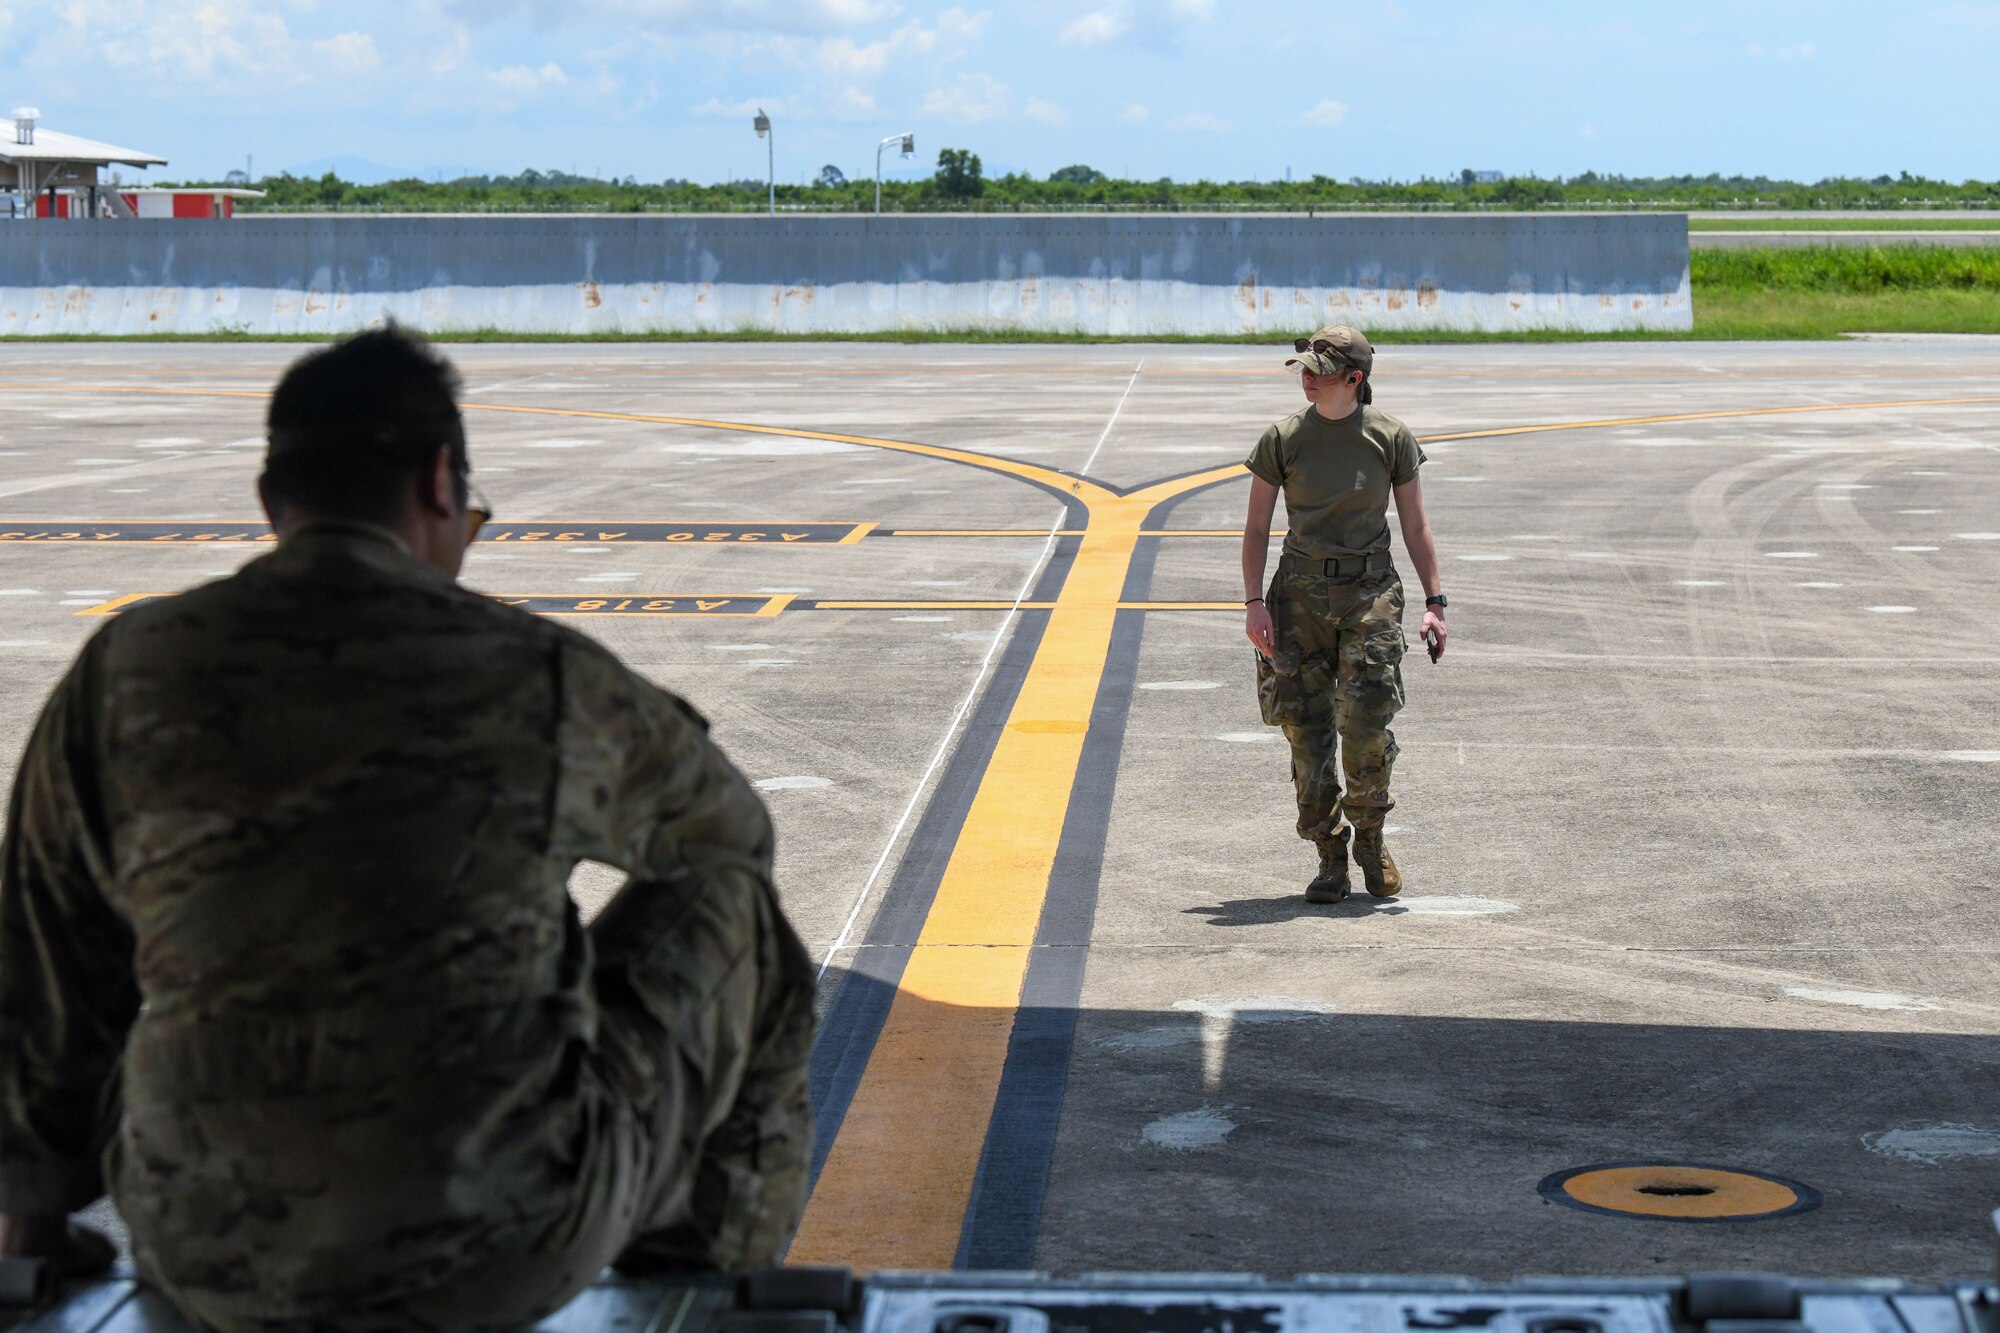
x: 1337, y: 477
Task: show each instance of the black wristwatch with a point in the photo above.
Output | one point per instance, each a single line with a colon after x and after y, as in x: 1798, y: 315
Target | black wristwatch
x: 1438, y: 601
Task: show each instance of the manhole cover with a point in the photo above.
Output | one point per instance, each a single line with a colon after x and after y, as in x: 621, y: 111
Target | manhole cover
x: 1678, y: 1192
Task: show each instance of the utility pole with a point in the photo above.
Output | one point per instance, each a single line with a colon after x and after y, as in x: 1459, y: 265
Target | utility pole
x: 762, y: 124
x: 909, y: 142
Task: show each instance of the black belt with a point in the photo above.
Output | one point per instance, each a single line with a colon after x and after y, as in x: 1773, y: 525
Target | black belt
x: 1350, y: 566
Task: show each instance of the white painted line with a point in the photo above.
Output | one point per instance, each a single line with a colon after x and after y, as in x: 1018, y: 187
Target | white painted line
x: 1860, y: 999
x: 89, y: 592
x: 1979, y: 536
x: 1791, y: 555
x: 1913, y: 550
x: 1973, y: 756
x: 1920, y: 511
x: 1449, y: 906
x: 1486, y: 557
x: 1928, y: 474
x: 1817, y: 584
x: 1248, y: 737
x: 79, y: 601
x: 1189, y: 1131
x: 1845, y: 486
x: 1927, y: 1145
x: 978, y: 680
x: 792, y: 784
x: 1893, y: 610
x: 20, y: 592
x: 1182, y: 685
x: 1701, y: 583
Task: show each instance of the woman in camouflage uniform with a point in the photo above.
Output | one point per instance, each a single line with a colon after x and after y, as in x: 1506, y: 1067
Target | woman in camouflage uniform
x: 1329, y: 631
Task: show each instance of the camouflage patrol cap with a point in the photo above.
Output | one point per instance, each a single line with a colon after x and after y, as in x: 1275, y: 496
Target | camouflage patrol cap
x: 1344, y: 346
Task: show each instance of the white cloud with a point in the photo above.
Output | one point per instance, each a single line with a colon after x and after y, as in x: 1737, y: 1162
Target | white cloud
x: 1135, y: 113
x: 1979, y: 18
x: 715, y: 107
x: 526, y: 79
x: 349, y: 54
x: 1097, y: 28
x: 453, y: 54
x: 1198, y: 122
x: 1326, y: 114
x: 684, y: 16
x: 1045, y: 113
x: 854, y: 104
x: 972, y: 99
x: 1795, y: 51
x: 1154, y: 25
x: 848, y: 62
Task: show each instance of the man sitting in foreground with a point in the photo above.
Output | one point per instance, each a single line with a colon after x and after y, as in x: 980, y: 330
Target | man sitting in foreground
x: 286, y: 953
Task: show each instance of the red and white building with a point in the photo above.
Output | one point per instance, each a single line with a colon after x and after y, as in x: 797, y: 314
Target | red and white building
x: 49, y: 174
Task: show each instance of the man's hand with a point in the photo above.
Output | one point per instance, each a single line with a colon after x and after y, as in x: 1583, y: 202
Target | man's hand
x: 1257, y: 625
x: 71, y: 1248
x: 1434, y: 632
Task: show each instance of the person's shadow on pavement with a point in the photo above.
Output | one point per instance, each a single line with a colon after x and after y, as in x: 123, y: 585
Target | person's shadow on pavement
x: 1277, y: 911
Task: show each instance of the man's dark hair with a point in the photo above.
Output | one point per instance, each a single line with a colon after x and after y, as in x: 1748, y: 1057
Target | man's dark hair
x: 352, y: 425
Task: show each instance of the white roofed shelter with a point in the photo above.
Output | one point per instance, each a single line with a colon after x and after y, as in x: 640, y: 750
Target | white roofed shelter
x: 34, y: 160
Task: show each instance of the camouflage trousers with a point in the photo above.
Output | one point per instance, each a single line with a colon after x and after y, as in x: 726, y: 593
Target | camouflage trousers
x: 671, y: 1133
x: 1334, y: 684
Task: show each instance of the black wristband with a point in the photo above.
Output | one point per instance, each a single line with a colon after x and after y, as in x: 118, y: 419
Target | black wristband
x: 1437, y: 601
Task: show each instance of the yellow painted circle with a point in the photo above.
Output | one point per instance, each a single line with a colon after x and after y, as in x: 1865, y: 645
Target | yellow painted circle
x: 1667, y: 1190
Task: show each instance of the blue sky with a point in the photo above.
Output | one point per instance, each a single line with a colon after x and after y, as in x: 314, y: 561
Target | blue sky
x: 1223, y: 89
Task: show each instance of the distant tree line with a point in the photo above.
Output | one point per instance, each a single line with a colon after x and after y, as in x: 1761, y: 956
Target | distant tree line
x: 960, y: 183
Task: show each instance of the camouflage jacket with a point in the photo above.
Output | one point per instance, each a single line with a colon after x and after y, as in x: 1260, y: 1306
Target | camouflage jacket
x: 289, y: 852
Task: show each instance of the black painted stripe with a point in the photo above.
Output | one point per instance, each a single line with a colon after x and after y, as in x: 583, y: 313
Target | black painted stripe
x: 853, y: 1020
x: 1004, y: 1217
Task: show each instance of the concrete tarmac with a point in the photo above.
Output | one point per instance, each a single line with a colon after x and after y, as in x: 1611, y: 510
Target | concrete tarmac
x: 1696, y: 814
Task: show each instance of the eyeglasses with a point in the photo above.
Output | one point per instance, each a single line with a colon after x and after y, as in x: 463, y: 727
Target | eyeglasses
x: 1319, y: 345
x: 478, y: 512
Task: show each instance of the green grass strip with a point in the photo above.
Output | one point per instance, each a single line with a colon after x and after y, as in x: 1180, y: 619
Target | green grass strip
x: 1792, y: 224
x: 1845, y: 268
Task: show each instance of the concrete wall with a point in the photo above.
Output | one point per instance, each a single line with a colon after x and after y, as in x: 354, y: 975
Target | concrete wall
x: 1121, y: 275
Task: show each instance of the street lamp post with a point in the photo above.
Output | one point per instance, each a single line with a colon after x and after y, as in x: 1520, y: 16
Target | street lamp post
x: 909, y: 142
x: 762, y: 124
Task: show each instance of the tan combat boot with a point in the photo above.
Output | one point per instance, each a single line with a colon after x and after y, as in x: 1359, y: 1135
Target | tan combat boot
x: 1330, y: 885
x: 1378, y: 868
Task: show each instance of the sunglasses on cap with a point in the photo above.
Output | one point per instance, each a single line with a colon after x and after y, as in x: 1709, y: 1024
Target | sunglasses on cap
x: 1320, y: 346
